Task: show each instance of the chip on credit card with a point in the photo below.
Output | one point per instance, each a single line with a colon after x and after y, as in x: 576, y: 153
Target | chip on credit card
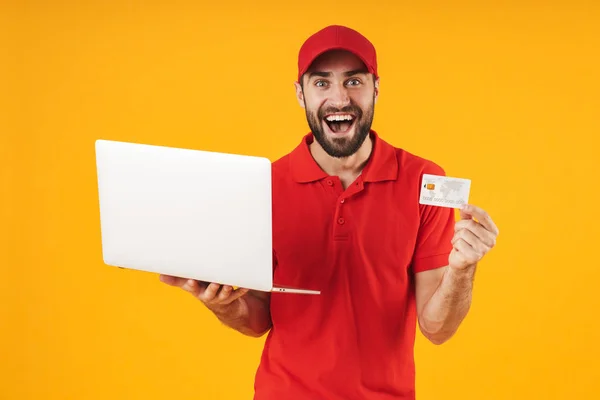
x: 444, y: 191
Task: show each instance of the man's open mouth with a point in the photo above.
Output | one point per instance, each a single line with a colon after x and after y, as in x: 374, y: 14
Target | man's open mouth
x: 339, y: 123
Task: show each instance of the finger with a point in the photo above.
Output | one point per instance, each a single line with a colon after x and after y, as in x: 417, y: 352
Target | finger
x: 472, y: 240
x: 228, y: 295
x: 464, y: 215
x: 481, y: 215
x: 236, y: 295
x: 470, y: 255
x: 172, y: 280
x: 209, y: 293
x: 478, y: 230
x: 224, y: 293
x: 190, y: 285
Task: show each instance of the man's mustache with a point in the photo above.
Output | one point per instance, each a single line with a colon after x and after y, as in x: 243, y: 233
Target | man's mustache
x: 348, y: 109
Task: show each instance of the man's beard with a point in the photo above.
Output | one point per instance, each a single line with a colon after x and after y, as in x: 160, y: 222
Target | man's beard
x: 343, y: 146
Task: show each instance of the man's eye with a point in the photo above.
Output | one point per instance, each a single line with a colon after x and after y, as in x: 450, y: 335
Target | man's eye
x: 320, y: 83
x: 353, y: 82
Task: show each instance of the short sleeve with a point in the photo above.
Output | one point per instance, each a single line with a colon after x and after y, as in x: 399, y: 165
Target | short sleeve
x: 434, y: 238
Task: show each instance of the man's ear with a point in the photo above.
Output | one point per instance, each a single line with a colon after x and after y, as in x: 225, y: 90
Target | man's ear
x: 299, y: 94
x: 376, y: 89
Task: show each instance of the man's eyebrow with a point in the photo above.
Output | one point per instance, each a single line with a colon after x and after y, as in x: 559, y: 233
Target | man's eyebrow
x: 324, y: 74
x: 356, y: 72
x: 319, y: 73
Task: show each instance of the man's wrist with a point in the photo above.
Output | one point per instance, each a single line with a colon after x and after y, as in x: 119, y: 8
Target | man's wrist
x: 462, y: 272
x: 228, y: 313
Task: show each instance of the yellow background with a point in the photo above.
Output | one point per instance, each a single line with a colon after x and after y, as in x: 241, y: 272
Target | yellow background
x: 506, y: 94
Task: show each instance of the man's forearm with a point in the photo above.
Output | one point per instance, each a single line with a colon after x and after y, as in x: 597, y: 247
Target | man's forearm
x: 448, y: 306
x: 251, y: 318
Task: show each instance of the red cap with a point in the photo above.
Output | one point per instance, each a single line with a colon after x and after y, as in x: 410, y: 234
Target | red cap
x: 336, y: 37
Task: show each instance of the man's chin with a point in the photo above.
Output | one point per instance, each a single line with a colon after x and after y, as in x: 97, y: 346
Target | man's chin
x: 339, y: 147
x: 339, y: 140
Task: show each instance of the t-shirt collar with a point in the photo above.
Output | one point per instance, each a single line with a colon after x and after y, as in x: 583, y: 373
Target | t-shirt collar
x: 381, y: 166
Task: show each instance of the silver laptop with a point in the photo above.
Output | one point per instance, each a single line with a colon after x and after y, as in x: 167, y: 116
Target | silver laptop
x: 188, y: 213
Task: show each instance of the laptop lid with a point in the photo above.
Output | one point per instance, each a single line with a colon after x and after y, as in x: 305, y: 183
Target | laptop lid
x: 188, y: 213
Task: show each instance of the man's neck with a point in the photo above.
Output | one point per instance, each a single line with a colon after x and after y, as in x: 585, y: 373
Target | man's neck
x: 349, y: 167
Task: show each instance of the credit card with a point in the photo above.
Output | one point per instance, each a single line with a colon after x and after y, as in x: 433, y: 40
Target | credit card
x: 444, y: 191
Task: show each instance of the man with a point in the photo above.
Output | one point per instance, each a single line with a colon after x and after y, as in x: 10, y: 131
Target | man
x: 347, y: 221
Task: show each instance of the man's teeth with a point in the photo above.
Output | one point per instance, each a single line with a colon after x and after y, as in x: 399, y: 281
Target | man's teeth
x: 332, y: 118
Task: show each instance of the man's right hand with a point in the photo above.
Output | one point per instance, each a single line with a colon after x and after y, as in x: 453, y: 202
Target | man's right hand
x: 247, y: 314
x: 219, y: 299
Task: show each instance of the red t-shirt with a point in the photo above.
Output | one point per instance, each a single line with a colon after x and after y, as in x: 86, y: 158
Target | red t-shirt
x: 360, y: 247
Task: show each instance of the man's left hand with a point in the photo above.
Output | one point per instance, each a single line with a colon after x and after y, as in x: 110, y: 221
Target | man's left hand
x: 475, y: 235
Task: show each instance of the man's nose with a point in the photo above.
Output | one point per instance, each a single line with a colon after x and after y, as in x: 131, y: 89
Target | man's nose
x: 339, y: 96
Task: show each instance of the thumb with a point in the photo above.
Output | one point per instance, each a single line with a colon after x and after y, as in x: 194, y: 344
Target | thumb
x: 464, y: 212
